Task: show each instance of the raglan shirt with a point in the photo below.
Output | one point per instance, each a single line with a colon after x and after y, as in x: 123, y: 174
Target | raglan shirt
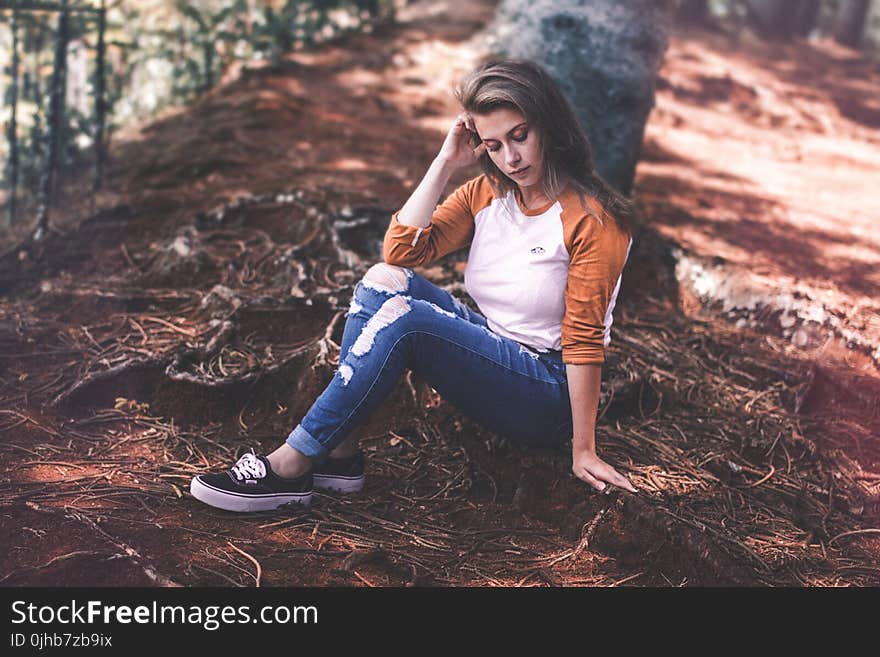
x: 547, y: 278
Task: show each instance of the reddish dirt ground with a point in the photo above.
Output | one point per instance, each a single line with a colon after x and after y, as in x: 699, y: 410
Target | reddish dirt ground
x: 759, y: 154
x: 767, y: 150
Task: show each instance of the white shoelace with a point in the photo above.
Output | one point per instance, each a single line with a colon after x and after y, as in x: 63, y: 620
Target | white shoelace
x: 249, y: 467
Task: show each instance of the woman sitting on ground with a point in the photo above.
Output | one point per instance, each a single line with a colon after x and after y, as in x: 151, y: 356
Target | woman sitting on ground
x: 548, y: 243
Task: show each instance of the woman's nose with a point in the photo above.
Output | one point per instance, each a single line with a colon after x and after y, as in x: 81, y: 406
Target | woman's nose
x: 512, y: 157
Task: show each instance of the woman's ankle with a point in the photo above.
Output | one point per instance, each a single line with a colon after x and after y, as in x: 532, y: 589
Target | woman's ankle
x: 348, y: 447
x: 343, y: 452
x: 288, y: 462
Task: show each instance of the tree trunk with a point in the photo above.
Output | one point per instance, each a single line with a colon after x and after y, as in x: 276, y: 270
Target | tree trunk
x: 783, y: 18
x: 605, y: 56
x: 850, y: 22
x: 100, y: 107
x: 13, y: 126
x: 208, y: 51
x: 805, y: 17
x: 772, y: 18
x: 56, y: 113
x: 692, y: 11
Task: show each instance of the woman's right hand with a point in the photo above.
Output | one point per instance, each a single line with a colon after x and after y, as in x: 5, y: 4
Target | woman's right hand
x: 587, y: 466
x: 458, y: 150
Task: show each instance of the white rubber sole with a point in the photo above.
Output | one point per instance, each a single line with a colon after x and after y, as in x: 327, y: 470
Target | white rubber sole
x: 338, y: 484
x: 244, y: 503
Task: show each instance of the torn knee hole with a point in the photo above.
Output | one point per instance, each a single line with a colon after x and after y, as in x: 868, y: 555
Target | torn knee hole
x: 387, y: 278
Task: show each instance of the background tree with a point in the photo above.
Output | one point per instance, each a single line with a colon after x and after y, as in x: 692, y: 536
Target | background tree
x: 772, y: 18
x: 850, y: 22
x: 100, y: 101
x: 692, y: 11
x: 12, y: 132
x: 786, y: 18
x: 588, y: 47
x: 56, y: 112
x: 805, y: 16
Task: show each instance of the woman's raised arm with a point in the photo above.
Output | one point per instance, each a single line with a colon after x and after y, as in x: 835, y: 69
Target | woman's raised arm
x: 455, y: 153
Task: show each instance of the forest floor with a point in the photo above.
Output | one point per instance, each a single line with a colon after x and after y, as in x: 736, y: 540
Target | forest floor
x: 199, y: 312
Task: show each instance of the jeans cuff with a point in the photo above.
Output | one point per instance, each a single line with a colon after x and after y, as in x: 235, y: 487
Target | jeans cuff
x: 302, y: 441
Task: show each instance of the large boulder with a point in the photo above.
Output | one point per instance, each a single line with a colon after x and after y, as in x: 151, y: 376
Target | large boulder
x: 605, y: 55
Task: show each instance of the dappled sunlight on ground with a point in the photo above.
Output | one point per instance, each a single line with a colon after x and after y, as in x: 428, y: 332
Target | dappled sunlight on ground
x: 752, y: 441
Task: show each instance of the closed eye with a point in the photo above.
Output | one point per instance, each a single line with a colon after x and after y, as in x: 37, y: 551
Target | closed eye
x: 520, y: 138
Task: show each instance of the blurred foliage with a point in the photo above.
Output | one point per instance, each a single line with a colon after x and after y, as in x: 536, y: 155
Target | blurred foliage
x: 734, y: 14
x: 160, y: 53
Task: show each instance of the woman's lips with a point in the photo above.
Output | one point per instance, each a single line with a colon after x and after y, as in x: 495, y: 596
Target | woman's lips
x: 520, y: 172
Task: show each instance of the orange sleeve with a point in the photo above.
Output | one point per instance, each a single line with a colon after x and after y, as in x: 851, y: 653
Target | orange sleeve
x: 451, y: 227
x: 598, y: 252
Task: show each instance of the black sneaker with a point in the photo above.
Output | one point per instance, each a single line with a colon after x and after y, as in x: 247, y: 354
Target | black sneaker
x: 345, y: 475
x: 251, y: 485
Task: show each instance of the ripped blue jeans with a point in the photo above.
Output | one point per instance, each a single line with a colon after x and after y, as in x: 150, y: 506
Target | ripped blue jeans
x: 504, y: 386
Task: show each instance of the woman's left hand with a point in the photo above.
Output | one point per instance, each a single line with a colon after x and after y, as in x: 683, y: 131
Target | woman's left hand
x: 587, y: 466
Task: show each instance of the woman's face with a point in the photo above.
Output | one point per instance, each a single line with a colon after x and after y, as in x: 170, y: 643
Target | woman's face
x: 513, y: 145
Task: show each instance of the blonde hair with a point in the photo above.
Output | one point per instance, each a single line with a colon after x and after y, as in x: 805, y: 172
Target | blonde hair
x: 524, y: 86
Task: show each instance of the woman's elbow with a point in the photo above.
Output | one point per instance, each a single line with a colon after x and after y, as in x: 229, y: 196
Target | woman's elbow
x: 392, y: 257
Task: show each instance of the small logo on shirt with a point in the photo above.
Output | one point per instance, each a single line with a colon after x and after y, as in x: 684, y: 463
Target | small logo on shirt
x: 538, y: 250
